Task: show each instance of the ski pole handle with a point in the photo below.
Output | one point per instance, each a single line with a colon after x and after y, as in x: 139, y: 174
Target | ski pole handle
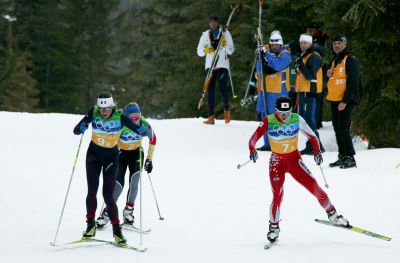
x: 241, y: 165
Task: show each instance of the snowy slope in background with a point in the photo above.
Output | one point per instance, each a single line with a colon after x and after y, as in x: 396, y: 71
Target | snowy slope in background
x: 213, y: 212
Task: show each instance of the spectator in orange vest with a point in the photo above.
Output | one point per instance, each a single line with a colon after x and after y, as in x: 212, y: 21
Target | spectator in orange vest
x: 344, y: 91
x: 308, y: 84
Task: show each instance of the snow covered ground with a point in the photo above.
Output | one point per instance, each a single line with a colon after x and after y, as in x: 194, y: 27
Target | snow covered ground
x: 213, y: 212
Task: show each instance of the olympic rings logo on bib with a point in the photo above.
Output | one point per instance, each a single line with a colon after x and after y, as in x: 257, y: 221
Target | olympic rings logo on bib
x: 128, y: 135
x: 284, y: 129
x: 103, y: 125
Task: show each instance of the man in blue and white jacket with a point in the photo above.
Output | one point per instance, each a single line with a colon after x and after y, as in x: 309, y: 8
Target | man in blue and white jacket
x: 276, y: 60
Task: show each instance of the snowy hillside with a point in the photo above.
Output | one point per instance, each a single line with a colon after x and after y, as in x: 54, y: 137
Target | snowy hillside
x: 213, y: 212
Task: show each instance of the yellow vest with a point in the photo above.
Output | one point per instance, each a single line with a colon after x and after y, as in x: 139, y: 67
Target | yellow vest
x: 337, y: 83
x: 305, y: 84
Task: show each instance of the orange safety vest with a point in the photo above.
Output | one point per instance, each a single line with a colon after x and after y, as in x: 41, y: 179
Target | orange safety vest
x: 305, y: 84
x: 274, y: 81
x: 337, y: 83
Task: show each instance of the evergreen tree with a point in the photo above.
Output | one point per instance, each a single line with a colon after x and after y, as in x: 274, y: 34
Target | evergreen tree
x: 17, y: 87
x: 37, y: 34
x: 145, y: 51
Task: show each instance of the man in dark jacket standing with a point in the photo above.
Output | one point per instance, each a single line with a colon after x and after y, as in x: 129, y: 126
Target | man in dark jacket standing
x: 308, y: 84
x: 344, y: 91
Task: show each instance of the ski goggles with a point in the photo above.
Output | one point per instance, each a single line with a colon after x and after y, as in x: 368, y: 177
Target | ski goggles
x: 105, y: 109
x: 284, y: 114
x: 135, y: 118
x: 274, y: 40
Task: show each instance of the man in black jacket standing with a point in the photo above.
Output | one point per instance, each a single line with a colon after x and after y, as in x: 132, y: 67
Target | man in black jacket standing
x: 308, y: 84
x: 344, y: 91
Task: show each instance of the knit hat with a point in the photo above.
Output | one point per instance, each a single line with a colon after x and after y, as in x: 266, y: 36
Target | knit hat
x: 131, y: 108
x: 276, y: 38
x: 340, y: 37
x: 283, y: 103
x: 306, y: 38
x: 214, y: 17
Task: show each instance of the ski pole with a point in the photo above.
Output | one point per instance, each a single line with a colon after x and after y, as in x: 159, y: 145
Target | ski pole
x: 244, y: 100
x: 298, y: 96
x: 66, y: 196
x: 155, y: 198
x: 323, y: 175
x: 141, y: 204
x: 230, y: 78
x: 241, y: 165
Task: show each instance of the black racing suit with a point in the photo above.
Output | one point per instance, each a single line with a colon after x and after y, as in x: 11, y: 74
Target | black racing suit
x: 102, y: 159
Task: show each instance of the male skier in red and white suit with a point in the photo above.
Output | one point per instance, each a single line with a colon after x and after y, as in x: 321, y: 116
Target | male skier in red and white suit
x: 283, y: 129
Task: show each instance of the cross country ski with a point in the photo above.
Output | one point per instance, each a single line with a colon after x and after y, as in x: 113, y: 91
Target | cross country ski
x: 354, y: 229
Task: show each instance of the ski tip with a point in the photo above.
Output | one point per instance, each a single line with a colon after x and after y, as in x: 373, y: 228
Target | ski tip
x: 270, y: 244
x: 141, y: 248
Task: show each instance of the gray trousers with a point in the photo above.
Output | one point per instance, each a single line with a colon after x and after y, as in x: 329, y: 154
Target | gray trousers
x: 134, y: 161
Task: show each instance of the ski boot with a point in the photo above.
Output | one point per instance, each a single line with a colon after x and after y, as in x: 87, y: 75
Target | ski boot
x: 227, y: 116
x: 210, y: 120
x: 348, y: 162
x: 273, y: 232
x: 90, y: 230
x: 129, y: 219
x: 117, y: 233
x: 338, y: 162
x: 337, y: 219
x: 102, y: 220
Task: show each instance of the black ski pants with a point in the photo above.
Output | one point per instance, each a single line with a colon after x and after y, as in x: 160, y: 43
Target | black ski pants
x: 100, y: 159
x: 220, y: 75
x: 341, y: 121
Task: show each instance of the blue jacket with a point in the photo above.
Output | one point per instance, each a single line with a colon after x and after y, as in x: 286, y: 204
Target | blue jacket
x: 273, y: 63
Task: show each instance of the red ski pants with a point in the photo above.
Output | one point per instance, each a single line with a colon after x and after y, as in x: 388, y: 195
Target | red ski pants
x: 293, y: 164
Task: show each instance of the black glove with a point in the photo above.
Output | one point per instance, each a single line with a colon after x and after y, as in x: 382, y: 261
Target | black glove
x: 81, y: 128
x: 297, y: 62
x: 318, y: 159
x: 148, y: 166
x: 254, y: 156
